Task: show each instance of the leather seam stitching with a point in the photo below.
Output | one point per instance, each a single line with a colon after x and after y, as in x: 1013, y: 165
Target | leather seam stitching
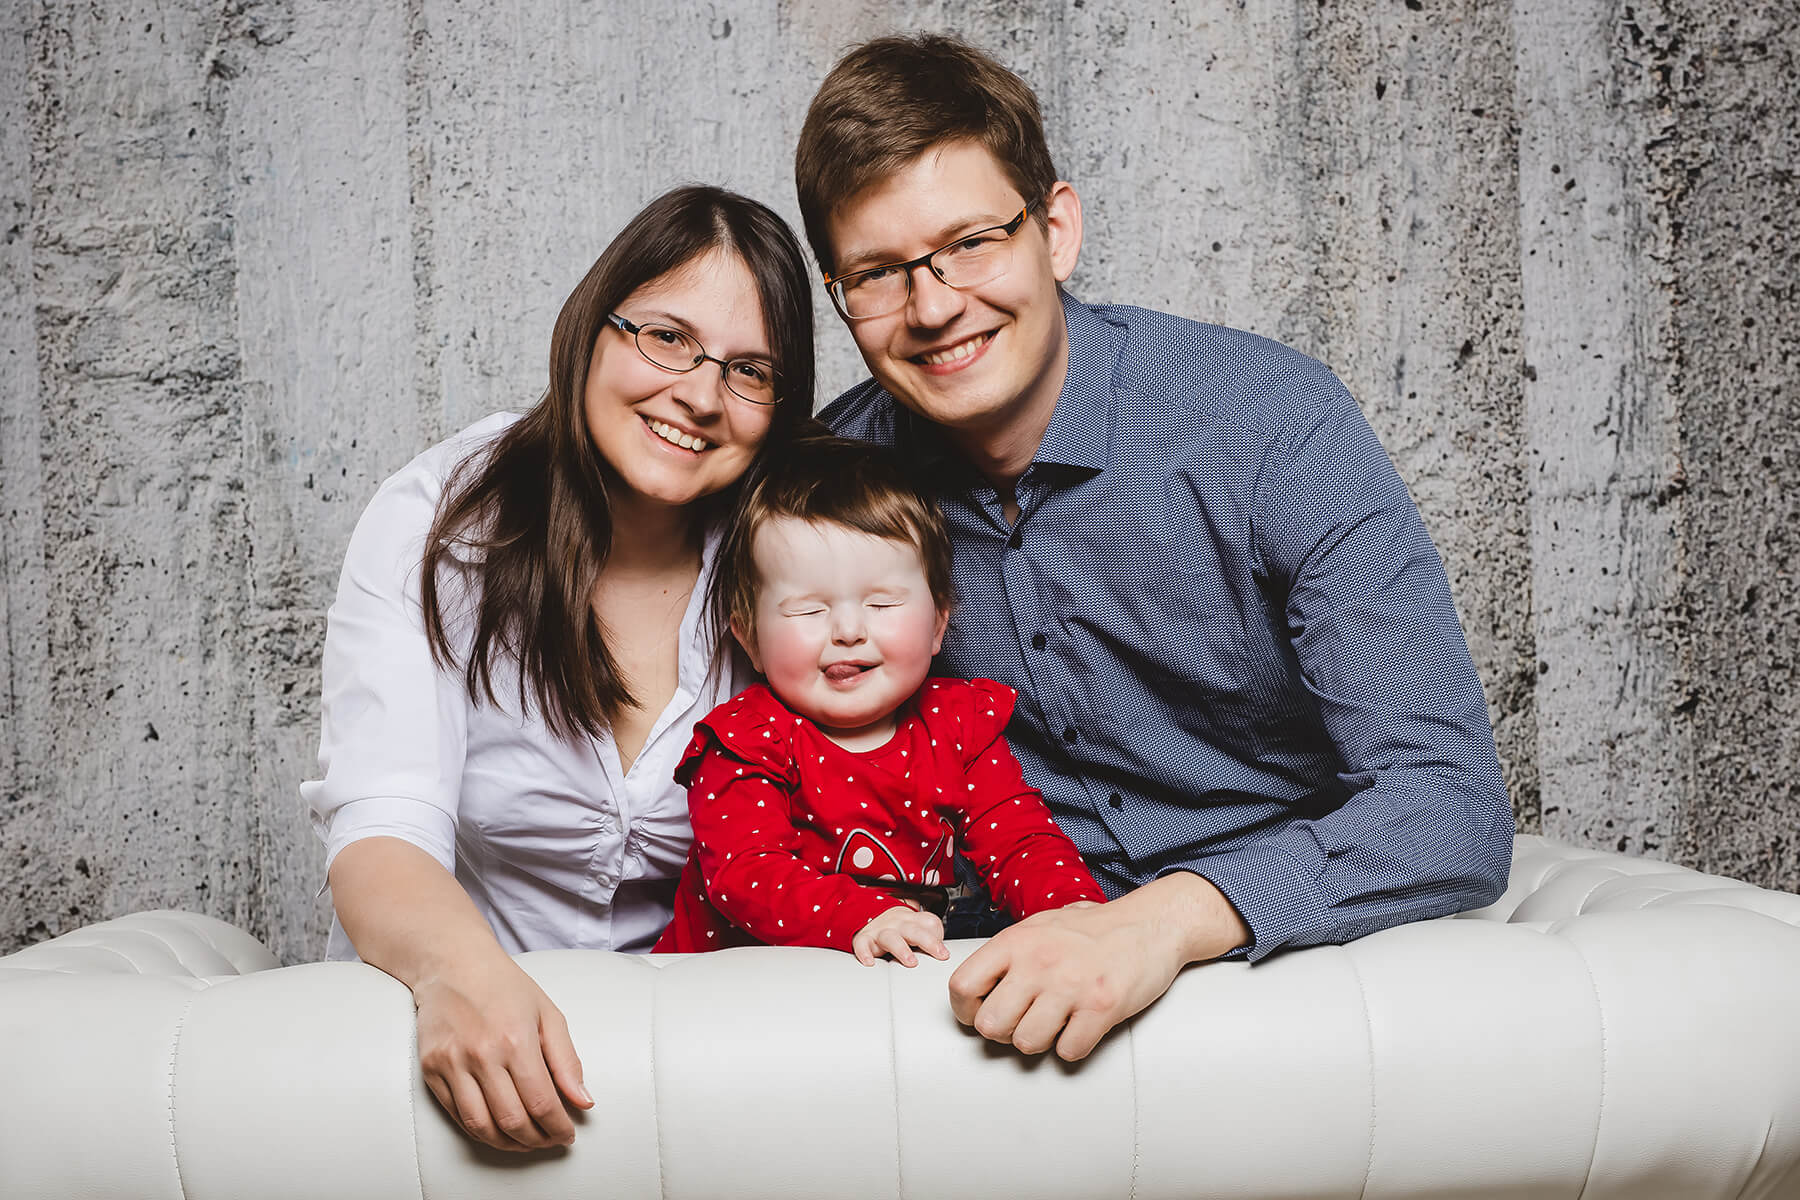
x: 1137, y: 1111
x: 1587, y: 1176
x: 1362, y: 995
x: 894, y: 1066
x: 174, y: 1059
x: 412, y: 1104
x: 656, y: 1112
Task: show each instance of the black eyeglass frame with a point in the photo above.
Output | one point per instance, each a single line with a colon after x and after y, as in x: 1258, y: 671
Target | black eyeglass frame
x: 834, y: 284
x: 724, y: 363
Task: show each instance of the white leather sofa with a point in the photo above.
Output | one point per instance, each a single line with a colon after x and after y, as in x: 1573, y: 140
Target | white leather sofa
x: 1613, y: 1027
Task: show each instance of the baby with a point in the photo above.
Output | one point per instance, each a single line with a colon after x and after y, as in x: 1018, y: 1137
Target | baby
x: 829, y: 803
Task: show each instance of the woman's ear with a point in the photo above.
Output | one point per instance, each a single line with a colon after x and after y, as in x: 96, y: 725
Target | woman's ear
x: 747, y: 639
x: 937, y: 634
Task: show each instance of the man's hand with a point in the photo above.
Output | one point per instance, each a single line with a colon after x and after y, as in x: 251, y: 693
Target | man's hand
x: 896, y: 932
x: 1067, y: 976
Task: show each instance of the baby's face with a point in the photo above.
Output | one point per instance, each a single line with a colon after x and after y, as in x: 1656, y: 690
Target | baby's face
x: 845, y: 626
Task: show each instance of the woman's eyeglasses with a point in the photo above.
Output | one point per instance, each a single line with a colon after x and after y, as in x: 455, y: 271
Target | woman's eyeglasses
x: 748, y: 378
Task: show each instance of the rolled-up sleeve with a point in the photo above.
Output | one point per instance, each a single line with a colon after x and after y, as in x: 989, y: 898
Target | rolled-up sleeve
x: 1427, y: 827
x: 393, y: 726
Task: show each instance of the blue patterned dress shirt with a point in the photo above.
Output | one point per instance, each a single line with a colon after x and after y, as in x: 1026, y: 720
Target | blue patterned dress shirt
x: 1233, y: 641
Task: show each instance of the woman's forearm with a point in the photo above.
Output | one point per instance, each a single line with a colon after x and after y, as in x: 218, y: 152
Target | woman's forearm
x: 405, y: 914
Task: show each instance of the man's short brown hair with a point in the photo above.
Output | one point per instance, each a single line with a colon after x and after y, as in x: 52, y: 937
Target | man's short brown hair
x: 821, y: 478
x: 892, y: 99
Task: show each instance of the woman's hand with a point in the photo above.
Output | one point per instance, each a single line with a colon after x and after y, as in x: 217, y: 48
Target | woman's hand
x: 496, y: 1053
x: 895, y: 932
x: 494, y: 1050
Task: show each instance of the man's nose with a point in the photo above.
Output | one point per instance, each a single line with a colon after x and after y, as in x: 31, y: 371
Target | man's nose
x: 933, y: 303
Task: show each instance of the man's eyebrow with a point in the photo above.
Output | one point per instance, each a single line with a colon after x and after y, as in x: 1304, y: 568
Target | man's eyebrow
x: 942, y: 237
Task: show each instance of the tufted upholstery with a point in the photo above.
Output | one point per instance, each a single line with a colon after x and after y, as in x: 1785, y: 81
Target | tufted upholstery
x: 1612, y: 1027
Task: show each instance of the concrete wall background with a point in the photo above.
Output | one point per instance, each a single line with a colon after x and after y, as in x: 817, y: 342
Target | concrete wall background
x: 258, y: 254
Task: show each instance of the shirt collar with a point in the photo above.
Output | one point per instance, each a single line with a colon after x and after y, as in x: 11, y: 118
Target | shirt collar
x: 1077, y: 440
x: 1079, y: 435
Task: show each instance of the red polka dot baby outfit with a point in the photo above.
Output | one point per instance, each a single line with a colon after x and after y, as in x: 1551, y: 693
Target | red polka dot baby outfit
x: 783, y: 817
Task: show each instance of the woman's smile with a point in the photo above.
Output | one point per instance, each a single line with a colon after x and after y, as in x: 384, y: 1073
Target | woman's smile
x: 691, y: 442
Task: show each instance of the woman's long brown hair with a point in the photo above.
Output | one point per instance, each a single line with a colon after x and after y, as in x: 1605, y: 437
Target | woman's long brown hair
x: 529, y: 518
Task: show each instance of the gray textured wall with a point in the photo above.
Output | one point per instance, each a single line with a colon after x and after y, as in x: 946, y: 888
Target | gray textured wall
x: 258, y: 254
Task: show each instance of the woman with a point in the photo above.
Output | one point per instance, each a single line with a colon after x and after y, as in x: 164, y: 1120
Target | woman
x: 519, y: 649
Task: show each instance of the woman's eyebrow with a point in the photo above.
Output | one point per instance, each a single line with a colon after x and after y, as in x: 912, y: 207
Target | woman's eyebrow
x: 657, y: 316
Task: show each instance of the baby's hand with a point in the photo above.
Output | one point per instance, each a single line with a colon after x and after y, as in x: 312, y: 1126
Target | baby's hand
x: 896, y: 932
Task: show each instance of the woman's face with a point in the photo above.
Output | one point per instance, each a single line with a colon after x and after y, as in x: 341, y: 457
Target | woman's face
x: 675, y: 437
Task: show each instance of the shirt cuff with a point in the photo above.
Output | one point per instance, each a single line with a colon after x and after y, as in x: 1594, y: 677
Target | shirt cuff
x: 1278, y: 898
x: 416, y: 821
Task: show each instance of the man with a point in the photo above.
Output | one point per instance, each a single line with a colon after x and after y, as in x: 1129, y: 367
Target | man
x: 1242, y: 685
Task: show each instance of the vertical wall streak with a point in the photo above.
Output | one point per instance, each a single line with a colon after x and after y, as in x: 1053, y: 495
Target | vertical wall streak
x: 1603, y: 371
x: 1734, y: 147
x: 146, y: 721
x: 24, y: 665
x: 317, y: 146
x: 427, y: 382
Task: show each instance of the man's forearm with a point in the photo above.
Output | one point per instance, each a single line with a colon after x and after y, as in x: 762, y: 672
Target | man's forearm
x: 1412, y: 846
x: 1188, y: 913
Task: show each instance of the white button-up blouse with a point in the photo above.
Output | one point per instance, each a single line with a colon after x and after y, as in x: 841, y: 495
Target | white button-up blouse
x: 557, y: 846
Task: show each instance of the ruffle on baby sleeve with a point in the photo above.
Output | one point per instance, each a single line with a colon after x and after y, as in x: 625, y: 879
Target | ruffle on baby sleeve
x: 752, y: 727
x: 972, y: 713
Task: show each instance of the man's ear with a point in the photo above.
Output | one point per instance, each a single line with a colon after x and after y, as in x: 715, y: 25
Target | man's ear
x: 747, y: 640
x: 937, y: 635
x: 1062, y: 217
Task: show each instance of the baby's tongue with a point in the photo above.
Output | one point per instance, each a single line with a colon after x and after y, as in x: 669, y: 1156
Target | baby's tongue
x: 839, y: 672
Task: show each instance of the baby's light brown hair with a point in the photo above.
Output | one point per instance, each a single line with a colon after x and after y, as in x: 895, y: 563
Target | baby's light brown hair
x: 821, y: 478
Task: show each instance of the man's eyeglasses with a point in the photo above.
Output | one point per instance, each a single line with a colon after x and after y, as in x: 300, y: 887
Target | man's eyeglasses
x: 972, y: 259
x: 748, y: 378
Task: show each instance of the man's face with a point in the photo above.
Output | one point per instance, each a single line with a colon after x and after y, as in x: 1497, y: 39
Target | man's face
x: 986, y: 360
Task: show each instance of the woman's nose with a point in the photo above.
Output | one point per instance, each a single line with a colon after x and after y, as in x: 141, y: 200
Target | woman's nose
x: 702, y: 390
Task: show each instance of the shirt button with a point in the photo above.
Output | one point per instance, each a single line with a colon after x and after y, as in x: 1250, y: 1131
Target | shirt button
x: 1116, y: 800
x: 1070, y: 734
x: 1039, y: 641
x: 1017, y: 539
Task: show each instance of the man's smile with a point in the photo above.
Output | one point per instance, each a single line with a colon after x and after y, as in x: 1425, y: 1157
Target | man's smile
x: 956, y: 356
